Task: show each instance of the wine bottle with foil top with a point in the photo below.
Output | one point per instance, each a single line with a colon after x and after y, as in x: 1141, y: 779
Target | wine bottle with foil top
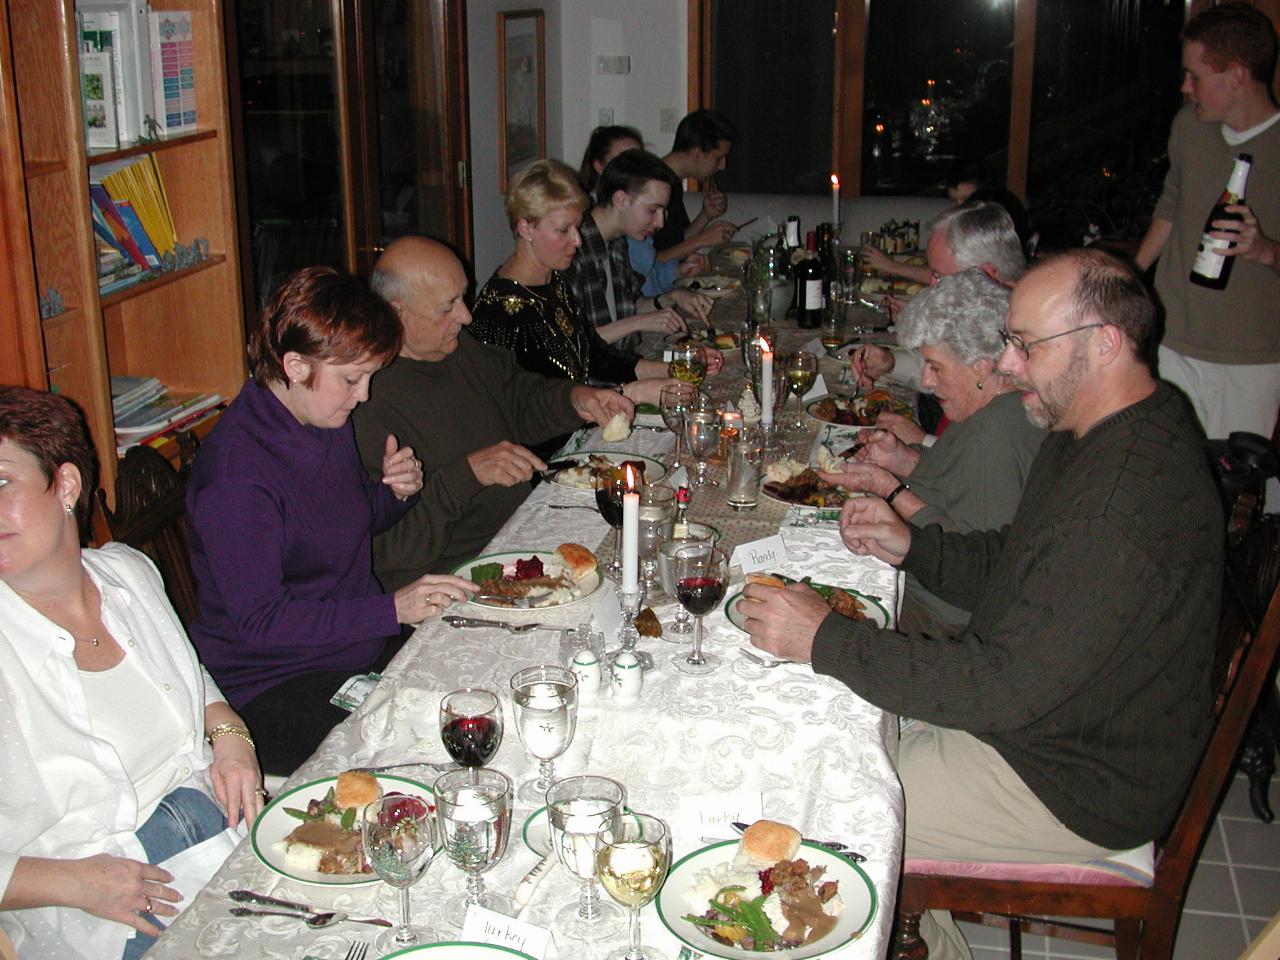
x: 1212, y: 267
x: 680, y: 528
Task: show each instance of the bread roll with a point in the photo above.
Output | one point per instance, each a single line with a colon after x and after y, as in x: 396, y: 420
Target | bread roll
x: 618, y: 428
x: 578, y: 559
x: 765, y: 580
x: 764, y: 843
x: 355, y: 788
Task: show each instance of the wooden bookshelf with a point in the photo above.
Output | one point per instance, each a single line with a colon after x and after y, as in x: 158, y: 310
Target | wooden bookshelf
x: 183, y: 327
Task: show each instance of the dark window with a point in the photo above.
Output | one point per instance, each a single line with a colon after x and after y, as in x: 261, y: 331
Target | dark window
x: 773, y: 70
x: 937, y: 89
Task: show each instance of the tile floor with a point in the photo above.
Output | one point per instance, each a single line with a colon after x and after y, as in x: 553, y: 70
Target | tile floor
x: 1234, y: 892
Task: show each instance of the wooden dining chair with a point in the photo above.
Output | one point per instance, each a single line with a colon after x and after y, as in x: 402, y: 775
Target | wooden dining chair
x: 1144, y: 913
x: 150, y: 516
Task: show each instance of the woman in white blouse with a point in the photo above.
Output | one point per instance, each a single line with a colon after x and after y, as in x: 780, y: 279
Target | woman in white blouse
x: 117, y: 750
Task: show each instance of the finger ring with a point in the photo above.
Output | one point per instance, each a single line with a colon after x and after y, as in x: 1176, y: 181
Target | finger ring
x: 147, y: 900
x: 260, y: 792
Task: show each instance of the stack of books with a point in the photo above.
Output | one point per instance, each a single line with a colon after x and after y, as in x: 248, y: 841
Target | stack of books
x: 145, y: 411
x: 137, y: 69
x: 132, y: 224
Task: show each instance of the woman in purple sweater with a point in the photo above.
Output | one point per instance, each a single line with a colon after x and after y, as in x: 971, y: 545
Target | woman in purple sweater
x: 282, y: 517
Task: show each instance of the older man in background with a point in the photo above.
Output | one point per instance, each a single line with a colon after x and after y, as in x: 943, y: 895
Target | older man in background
x: 1066, y: 720
x: 469, y: 409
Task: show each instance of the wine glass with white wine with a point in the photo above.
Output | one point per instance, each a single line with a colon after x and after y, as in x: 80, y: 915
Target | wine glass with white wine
x: 632, y: 861
x: 802, y: 373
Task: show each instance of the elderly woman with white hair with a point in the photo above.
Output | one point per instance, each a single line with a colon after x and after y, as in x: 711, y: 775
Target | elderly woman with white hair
x: 972, y: 478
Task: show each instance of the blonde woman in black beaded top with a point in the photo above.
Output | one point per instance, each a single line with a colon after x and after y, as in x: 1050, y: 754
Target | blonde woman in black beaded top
x: 528, y: 307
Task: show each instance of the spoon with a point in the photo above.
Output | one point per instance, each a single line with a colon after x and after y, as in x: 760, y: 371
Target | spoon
x: 767, y: 664
x: 316, y: 921
x: 476, y: 622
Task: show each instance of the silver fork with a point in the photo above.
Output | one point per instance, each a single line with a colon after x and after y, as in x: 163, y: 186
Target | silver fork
x: 357, y: 951
x: 761, y: 661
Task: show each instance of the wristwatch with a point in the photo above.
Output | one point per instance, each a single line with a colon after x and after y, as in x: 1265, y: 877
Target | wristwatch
x: 903, y: 485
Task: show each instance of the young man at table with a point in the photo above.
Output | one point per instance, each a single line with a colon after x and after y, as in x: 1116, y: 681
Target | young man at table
x: 701, y: 149
x: 1223, y: 346
x: 468, y: 406
x: 632, y: 196
x: 1066, y: 720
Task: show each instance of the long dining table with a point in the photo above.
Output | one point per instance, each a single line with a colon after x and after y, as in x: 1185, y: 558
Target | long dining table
x: 818, y: 756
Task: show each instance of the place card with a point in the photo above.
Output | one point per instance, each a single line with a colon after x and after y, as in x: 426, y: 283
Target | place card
x: 677, y: 478
x: 714, y: 813
x: 488, y: 926
x: 608, y: 611
x: 819, y: 390
x: 815, y: 346
x: 767, y: 553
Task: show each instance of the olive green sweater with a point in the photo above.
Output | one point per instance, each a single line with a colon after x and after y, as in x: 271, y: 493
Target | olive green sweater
x: 1087, y: 660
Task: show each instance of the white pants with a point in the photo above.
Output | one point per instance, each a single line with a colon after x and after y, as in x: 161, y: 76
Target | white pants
x: 1228, y: 397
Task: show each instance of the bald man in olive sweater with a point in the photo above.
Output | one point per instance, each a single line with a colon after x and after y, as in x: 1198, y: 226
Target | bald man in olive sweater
x: 1067, y: 719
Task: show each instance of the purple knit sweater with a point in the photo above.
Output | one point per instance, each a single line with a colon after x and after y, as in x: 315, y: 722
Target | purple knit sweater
x: 282, y: 518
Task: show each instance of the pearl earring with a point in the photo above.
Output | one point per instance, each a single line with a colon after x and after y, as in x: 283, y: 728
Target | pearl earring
x: 980, y: 383
x: 70, y: 509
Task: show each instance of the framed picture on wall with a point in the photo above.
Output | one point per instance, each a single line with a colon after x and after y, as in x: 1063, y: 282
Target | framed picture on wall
x: 522, y: 93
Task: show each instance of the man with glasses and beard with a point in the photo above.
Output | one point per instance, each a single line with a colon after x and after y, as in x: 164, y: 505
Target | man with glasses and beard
x: 1065, y: 722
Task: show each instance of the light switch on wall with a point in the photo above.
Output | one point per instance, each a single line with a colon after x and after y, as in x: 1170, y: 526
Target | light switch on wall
x: 667, y: 120
x: 619, y: 65
x: 604, y: 118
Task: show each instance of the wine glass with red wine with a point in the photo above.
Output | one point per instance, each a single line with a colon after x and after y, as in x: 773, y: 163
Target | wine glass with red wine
x: 609, y: 492
x: 701, y: 575
x: 471, y: 726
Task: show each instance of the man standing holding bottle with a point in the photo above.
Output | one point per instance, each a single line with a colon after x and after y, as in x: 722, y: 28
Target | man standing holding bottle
x: 1222, y: 346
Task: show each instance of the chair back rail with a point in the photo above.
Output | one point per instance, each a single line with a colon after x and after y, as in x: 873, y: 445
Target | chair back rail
x: 150, y: 516
x: 1146, y: 918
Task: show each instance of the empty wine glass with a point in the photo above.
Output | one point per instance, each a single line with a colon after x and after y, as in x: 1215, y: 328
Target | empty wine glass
x: 400, y: 842
x: 688, y: 363
x: 474, y: 808
x: 633, y: 858
x: 701, y: 574
x: 546, y: 711
x: 610, y: 489
x: 702, y: 433
x: 802, y: 373
x: 576, y: 810
x: 673, y: 401
x: 471, y: 726
x: 692, y: 533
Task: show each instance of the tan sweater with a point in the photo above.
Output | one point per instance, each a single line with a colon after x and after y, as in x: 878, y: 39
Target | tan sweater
x: 1240, y: 324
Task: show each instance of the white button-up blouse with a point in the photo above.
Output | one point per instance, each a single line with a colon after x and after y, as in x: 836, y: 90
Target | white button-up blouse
x: 64, y: 794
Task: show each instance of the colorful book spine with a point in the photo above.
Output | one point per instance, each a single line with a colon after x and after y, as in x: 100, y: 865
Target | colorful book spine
x: 173, y: 71
x: 138, y: 232
x: 98, y: 196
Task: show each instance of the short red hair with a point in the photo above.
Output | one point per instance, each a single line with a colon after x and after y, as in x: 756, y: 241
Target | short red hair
x: 322, y: 314
x: 53, y: 430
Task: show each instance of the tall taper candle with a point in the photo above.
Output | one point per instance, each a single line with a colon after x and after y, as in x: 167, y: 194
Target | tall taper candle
x: 630, y: 536
x: 766, y: 384
x: 835, y: 203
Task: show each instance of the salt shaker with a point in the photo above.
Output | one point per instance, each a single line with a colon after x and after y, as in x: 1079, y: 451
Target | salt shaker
x: 586, y: 667
x: 627, y: 676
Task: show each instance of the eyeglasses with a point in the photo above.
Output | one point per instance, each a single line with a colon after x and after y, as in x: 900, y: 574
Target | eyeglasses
x: 1024, y: 346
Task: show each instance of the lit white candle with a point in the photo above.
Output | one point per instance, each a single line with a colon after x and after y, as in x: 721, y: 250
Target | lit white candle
x: 766, y: 384
x: 835, y: 202
x: 630, y: 536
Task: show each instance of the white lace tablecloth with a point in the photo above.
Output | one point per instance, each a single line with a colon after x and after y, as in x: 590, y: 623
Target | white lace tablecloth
x: 821, y: 757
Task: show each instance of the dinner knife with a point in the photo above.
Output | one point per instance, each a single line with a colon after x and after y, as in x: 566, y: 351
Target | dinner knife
x: 835, y: 846
x: 248, y: 896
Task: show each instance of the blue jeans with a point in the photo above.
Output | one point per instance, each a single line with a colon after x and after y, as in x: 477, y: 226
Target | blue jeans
x: 184, y: 818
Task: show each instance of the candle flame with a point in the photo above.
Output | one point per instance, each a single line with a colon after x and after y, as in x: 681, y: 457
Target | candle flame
x: 630, y: 473
x: 835, y: 181
x: 764, y: 345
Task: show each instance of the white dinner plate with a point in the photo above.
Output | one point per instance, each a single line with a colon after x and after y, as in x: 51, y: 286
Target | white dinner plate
x: 588, y: 586
x: 459, y: 950
x: 711, y: 284
x: 654, y: 470
x: 536, y: 832
x: 802, y: 507
x: 898, y: 407
x: 855, y: 889
x: 874, y: 611
x: 273, y: 825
